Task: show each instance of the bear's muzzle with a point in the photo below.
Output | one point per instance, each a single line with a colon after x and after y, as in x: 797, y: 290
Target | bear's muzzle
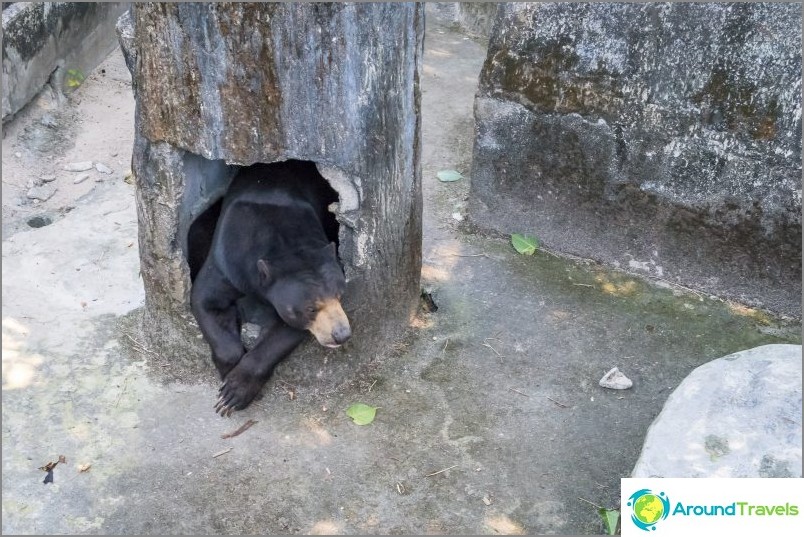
x: 331, y: 326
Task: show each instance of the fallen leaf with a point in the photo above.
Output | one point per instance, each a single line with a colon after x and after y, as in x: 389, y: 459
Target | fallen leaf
x: 610, y: 518
x: 524, y: 244
x: 84, y: 467
x: 448, y: 176
x: 361, y: 414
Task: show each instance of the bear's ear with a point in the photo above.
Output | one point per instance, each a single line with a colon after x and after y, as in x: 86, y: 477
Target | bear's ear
x: 265, y: 270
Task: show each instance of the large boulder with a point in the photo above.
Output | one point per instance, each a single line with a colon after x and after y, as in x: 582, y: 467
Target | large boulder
x: 663, y: 138
x: 737, y: 416
x: 220, y: 86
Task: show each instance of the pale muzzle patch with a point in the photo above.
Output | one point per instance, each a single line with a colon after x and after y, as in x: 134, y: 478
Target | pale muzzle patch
x: 330, y: 324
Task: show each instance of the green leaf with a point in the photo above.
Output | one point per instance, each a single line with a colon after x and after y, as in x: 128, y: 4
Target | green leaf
x: 610, y: 518
x: 74, y: 78
x: 447, y: 176
x: 525, y: 244
x: 361, y: 414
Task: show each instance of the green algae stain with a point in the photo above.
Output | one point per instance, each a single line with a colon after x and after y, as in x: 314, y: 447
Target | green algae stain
x: 701, y: 324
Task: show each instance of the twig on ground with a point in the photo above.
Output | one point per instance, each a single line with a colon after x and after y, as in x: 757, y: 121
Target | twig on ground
x: 492, y: 348
x: 239, y: 430
x: 470, y: 255
x: 517, y: 391
x: 562, y: 405
x: 590, y: 503
x: 139, y: 346
x: 222, y: 452
x: 441, y: 471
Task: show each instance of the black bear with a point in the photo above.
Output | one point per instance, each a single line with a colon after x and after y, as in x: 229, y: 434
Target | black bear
x: 272, y: 259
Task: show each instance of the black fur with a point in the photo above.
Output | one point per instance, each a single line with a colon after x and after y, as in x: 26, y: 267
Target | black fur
x: 273, y: 254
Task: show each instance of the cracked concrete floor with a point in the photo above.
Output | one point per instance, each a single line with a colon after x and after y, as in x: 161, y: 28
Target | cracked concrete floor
x: 490, y: 420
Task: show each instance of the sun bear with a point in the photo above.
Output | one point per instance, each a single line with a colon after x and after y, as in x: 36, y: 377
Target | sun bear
x: 272, y: 259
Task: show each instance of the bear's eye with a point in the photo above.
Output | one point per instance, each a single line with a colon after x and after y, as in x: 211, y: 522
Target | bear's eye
x: 311, y: 309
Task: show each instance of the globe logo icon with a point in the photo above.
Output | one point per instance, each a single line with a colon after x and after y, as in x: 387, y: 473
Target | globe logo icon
x: 648, y: 508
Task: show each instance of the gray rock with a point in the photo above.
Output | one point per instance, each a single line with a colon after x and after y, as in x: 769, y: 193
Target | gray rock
x: 103, y: 168
x: 41, y: 193
x: 81, y: 178
x: 615, y: 380
x: 48, y: 178
x: 78, y: 166
x: 737, y: 416
x: 681, y: 134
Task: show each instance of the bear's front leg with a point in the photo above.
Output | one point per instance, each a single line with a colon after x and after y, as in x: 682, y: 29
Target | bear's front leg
x: 243, y: 383
x: 214, y: 304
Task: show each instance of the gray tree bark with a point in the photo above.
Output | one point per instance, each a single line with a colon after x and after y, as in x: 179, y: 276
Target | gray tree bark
x: 219, y: 86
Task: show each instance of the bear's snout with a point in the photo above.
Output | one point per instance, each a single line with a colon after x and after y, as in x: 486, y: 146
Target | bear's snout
x: 331, y: 326
x: 341, y: 333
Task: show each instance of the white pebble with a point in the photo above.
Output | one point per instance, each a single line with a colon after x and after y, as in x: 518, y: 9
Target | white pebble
x: 78, y: 166
x: 81, y: 178
x: 103, y: 168
x: 615, y: 380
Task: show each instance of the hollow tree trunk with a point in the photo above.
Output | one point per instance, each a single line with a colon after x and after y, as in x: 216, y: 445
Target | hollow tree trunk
x: 220, y: 86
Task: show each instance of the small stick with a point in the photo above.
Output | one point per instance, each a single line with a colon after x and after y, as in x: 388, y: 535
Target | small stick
x: 469, y: 255
x: 239, y: 430
x: 440, y: 471
x: 222, y: 452
x: 140, y: 346
x: 492, y: 348
x: 562, y: 405
x: 517, y: 391
x: 372, y: 385
x: 583, y: 284
x: 590, y: 503
x: 445, y: 346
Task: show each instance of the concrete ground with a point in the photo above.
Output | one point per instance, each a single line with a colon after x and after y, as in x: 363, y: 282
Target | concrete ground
x: 490, y: 421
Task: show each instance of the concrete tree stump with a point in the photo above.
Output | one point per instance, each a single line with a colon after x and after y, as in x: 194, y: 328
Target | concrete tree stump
x: 222, y: 86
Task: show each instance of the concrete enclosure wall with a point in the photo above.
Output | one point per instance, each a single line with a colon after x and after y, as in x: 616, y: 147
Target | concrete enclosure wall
x: 663, y: 138
x: 43, y: 40
x: 220, y: 86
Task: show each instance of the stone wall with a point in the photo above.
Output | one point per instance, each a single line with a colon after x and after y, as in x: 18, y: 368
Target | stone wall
x: 43, y: 40
x: 663, y: 138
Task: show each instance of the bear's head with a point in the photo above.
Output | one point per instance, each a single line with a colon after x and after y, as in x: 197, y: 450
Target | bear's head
x: 305, y: 288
